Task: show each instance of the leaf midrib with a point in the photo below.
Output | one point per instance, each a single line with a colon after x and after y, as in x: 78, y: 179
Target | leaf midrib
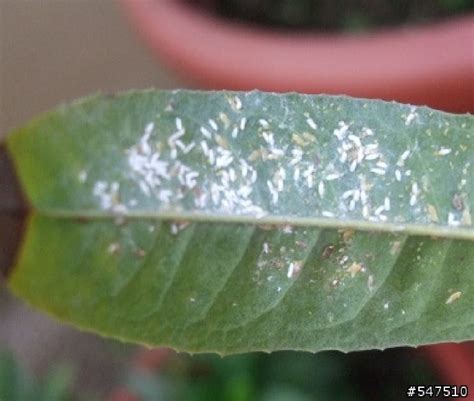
x: 455, y: 232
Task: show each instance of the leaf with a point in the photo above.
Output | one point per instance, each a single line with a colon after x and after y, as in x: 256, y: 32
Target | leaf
x: 233, y: 222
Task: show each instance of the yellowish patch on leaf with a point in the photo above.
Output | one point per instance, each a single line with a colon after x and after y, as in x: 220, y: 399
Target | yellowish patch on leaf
x: 222, y: 142
x: 396, y: 245
x: 432, y: 213
x: 347, y: 235
x: 354, y: 268
x: 466, y: 217
x: 453, y: 297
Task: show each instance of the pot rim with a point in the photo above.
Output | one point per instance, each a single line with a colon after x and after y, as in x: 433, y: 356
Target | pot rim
x: 220, y: 53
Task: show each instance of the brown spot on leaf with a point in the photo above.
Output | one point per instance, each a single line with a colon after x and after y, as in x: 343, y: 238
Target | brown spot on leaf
x: 327, y: 252
x: 347, y: 235
x: 140, y: 252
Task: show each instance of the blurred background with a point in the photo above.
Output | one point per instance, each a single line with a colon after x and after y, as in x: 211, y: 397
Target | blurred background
x: 51, y: 52
x: 55, y: 51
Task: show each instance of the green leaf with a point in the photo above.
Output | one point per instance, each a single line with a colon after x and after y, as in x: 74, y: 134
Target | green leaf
x: 232, y: 222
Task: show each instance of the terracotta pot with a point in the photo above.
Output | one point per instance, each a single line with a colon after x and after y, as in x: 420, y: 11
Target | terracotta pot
x: 453, y: 362
x: 146, y: 360
x: 432, y: 65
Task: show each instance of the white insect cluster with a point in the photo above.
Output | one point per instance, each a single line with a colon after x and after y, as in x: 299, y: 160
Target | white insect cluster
x: 223, y: 183
x: 232, y: 163
x: 108, y: 195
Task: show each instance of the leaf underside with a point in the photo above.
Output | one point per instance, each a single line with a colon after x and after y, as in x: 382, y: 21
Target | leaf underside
x: 234, y: 222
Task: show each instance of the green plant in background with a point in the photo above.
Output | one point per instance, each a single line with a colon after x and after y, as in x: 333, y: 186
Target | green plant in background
x: 17, y: 385
x: 232, y: 222
x: 351, y: 15
x: 283, y: 376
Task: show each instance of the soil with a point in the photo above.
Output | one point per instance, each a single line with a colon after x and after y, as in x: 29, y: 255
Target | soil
x: 334, y: 15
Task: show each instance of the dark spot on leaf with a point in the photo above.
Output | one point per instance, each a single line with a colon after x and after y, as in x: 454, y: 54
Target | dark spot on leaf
x: 458, y: 202
x: 327, y: 252
x: 301, y: 244
x: 266, y: 227
x: 277, y: 263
